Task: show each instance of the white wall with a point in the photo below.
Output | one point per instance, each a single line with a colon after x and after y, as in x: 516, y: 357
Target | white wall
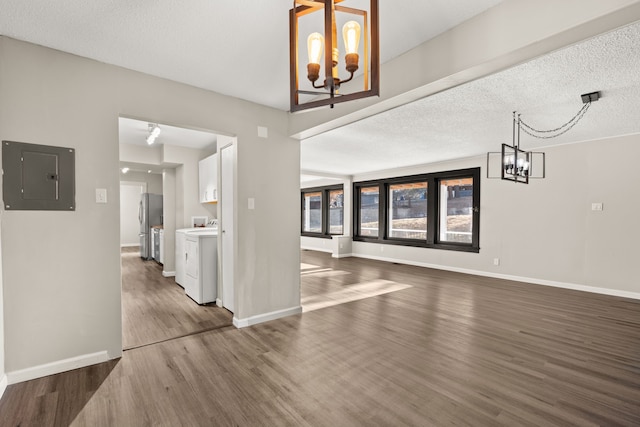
x: 3, y: 377
x: 169, y: 208
x: 187, y: 184
x: 153, y: 180
x: 545, y: 232
x: 68, y: 310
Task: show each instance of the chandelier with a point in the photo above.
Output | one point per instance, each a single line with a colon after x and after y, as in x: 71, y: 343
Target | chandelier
x: 518, y: 165
x: 360, y: 36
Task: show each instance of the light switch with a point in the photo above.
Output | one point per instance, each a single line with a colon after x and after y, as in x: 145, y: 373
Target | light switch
x: 596, y: 206
x: 252, y: 203
x: 101, y: 195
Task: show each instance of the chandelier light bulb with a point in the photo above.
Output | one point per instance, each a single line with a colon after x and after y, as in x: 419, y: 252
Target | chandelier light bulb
x: 351, y: 36
x: 315, y: 44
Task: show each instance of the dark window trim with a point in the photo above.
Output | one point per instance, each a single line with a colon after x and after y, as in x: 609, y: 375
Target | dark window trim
x: 325, y: 190
x: 433, y: 201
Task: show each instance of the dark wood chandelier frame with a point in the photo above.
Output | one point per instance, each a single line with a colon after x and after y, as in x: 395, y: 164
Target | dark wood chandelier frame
x: 371, y: 62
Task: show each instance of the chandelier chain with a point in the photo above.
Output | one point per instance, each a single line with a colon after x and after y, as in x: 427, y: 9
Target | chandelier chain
x: 531, y: 131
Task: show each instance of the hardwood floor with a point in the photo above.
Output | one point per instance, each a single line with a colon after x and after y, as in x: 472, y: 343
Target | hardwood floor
x: 445, y: 349
x: 155, y: 308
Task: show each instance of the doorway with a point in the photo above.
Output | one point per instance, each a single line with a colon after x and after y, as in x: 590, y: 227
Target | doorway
x: 154, y: 307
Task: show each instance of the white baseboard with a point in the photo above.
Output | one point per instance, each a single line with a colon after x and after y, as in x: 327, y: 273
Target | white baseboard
x: 574, y: 286
x: 313, y: 248
x: 168, y: 273
x: 4, y: 382
x: 56, y: 367
x: 260, y: 318
x: 129, y: 245
x: 341, y: 255
x: 218, y: 302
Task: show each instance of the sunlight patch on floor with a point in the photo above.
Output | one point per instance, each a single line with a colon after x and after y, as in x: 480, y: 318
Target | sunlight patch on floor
x: 305, y: 266
x: 351, y: 293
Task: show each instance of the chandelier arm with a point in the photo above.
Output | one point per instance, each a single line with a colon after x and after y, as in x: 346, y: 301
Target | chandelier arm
x: 575, y: 118
x: 347, y: 80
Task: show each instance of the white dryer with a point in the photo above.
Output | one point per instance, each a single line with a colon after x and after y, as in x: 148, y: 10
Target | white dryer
x: 181, y: 235
x: 201, y: 265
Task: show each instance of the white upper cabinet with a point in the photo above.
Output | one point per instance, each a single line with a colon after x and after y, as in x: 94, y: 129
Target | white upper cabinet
x: 208, y: 169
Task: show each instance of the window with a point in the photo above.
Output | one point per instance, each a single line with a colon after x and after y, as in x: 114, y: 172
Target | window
x: 323, y: 211
x: 408, y: 211
x: 403, y: 210
x: 312, y: 212
x: 456, y: 210
x: 336, y: 211
x: 369, y: 211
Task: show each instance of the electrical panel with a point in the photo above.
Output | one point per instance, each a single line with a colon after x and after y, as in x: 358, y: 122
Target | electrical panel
x: 38, y: 177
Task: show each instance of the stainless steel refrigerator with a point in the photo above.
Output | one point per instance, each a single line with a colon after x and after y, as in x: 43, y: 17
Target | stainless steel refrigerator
x: 149, y: 214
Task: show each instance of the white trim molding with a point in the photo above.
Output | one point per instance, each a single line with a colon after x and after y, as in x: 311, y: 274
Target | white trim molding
x: 574, y: 286
x: 56, y: 367
x: 168, y: 273
x: 334, y: 255
x: 316, y: 249
x: 4, y: 382
x: 260, y: 318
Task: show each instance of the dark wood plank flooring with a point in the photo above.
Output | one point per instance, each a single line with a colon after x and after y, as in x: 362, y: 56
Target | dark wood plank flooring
x: 447, y: 349
x: 155, y: 308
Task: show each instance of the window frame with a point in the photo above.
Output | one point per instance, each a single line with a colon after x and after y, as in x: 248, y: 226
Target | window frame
x: 433, y: 203
x: 325, y: 211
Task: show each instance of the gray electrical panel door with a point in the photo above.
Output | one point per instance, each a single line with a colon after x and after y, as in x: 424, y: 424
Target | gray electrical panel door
x: 38, y: 177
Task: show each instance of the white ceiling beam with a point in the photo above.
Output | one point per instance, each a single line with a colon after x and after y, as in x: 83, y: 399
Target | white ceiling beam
x: 509, y: 34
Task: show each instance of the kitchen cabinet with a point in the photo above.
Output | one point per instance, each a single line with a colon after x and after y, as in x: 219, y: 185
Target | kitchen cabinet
x: 208, y: 173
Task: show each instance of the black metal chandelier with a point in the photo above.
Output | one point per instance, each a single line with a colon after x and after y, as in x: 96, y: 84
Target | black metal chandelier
x: 324, y: 53
x: 518, y: 165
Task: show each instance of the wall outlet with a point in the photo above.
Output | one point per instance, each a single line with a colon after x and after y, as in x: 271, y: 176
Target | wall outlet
x: 596, y: 206
x: 381, y: 248
x: 496, y: 261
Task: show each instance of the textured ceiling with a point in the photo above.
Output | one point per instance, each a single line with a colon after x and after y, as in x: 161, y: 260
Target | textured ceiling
x: 238, y: 48
x: 475, y: 118
x: 227, y: 46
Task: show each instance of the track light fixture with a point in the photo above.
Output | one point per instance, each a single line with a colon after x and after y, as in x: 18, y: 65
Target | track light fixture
x: 323, y: 52
x: 154, y: 131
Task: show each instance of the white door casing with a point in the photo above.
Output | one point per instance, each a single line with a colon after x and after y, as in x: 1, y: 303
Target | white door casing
x: 226, y: 227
